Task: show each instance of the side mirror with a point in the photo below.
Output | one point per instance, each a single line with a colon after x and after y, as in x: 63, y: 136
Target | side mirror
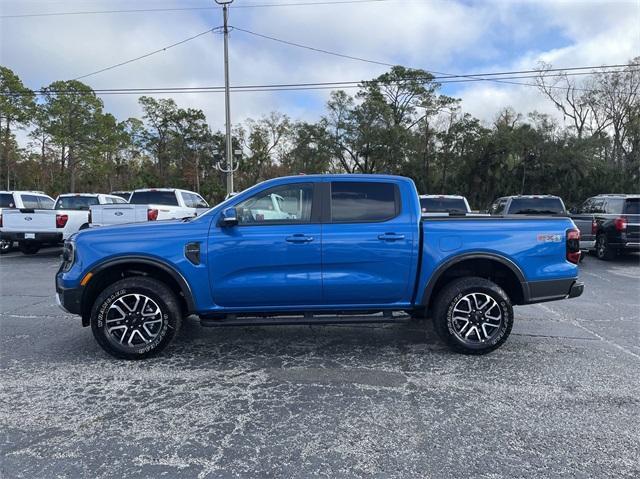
x: 573, y: 210
x: 229, y: 217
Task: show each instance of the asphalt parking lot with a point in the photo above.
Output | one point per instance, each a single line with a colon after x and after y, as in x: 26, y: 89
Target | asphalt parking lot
x: 560, y: 399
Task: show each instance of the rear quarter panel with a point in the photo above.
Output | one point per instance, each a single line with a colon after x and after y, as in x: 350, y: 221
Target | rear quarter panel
x: 537, y: 246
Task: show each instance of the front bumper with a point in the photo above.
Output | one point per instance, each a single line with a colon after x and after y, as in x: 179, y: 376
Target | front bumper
x: 69, y: 299
x: 26, y: 236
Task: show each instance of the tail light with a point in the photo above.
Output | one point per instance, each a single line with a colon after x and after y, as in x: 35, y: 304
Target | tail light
x: 61, y: 221
x: 620, y: 223
x: 152, y: 215
x: 594, y: 227
x: 89, y: 218
x: 573, y: 246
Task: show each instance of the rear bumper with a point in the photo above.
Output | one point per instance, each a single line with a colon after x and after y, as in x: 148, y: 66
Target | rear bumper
x: 552, y: 290
x: 576, y: 290
x: 39, y: 237
x: 587, y: 244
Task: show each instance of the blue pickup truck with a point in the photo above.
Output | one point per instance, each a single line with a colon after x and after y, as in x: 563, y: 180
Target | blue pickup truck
x: 316, y: 250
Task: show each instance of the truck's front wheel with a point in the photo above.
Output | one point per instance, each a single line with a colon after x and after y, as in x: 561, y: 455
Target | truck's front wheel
x: 135, y: 318
x: 473, y: 315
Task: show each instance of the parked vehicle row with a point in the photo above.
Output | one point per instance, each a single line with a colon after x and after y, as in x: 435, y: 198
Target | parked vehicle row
x: 33, y: 219
x: 609, y: 224
x: 150, y: 205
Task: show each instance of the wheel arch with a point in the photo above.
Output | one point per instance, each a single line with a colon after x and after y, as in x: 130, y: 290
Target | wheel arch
x: 499, y: 269
x: 112, y: 270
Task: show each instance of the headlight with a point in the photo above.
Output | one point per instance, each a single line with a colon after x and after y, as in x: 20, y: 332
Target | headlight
x: 68, y: 255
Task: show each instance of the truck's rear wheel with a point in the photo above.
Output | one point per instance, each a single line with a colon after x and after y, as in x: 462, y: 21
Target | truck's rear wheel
x: 29, y: 247
x: 473, y: 315
x: 135, y: 318
x: 603, y: 250
x: 5, y: 246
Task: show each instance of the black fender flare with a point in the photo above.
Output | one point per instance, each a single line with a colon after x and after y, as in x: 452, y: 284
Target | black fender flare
x: 185, y: 289
x: 440, y: 270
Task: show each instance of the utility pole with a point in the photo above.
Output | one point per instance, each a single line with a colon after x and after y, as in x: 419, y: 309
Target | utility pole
x: 227, y: 107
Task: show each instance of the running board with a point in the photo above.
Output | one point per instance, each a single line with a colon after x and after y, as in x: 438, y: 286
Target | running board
x: 307, y: 319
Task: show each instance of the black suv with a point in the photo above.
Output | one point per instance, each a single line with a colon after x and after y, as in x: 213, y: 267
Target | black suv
x: 609, y: 224
x: 528, y: 205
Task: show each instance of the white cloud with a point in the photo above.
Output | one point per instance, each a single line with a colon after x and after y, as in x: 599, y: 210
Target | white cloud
x: 446, y: 36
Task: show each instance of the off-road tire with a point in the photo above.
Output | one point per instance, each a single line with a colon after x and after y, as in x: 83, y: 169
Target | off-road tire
x: 456, y: 292
x: 158, y: 292
x: 5, y: 246
x: 603, y: 250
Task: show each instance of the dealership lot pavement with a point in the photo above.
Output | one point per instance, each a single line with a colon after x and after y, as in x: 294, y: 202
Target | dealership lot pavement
x: 560, y: 399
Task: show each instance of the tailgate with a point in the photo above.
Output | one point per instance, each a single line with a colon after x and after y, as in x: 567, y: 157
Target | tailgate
x: 633, y: 228
x: 117, y: 214
x: 28, y: 221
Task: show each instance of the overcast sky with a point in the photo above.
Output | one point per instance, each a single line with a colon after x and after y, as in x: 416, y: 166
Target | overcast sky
x: 445, y: 36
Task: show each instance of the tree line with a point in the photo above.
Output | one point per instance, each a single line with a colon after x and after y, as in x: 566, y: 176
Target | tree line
x: 397, y: 123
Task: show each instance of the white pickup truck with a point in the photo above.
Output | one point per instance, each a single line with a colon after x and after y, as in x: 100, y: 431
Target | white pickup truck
x: 12, y: 200
x: 150, y: 204
x: 32, y: 227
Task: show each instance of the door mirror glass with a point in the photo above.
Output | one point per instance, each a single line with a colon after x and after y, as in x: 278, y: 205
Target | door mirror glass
x: 229, y: 217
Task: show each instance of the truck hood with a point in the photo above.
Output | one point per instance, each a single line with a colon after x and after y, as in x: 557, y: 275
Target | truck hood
x: 132, y: 229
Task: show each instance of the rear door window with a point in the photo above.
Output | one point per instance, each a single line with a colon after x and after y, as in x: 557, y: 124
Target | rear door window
x: 355, y: 202
x: 632, y: 206
x: 536, y: 206
x: 614, y: 206
x: 598, y: 206
x: 46, y: 203
x: 199, y: 201
x: 30, y: 201
x: 497, y: 208
x: 188, y: 199
x: 167, y: 198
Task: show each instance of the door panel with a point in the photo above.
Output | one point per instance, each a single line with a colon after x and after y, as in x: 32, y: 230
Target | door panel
x: 367, y: 261
x: 272, y: 258
x: 275, y: 265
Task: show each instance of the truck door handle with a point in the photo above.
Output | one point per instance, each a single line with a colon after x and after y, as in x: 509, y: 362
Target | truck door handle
x: 390, y: 237
x: 299, y: 238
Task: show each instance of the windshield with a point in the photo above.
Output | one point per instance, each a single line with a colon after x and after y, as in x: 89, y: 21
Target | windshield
x: 443, y: 205
x: 632, y: 206
x: 536, y: 206
x: 168, y: 198
x: 76, y: 202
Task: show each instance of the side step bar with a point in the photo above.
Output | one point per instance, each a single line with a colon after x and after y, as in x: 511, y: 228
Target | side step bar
x: 306, y: 319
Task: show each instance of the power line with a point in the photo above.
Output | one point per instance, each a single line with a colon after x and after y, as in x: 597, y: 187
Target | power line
x: 163, y: 49
x: 442, y: 74
x: 187, y: 9
x: 293, y: 86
